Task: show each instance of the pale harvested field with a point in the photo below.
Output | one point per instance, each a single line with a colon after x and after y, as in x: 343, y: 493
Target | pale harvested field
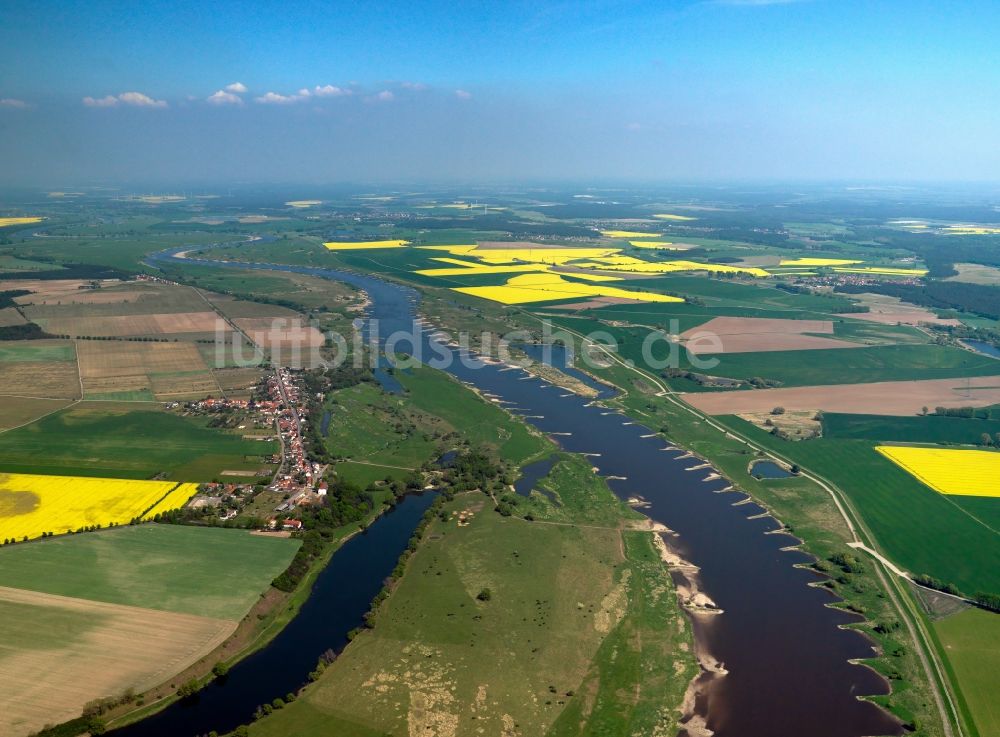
x: 891, y: 311
x: 88, y: 297
x: 19, y: 411
x: 41, y: 288
x: 57, y: 653
x: 9, y: 316
x: 100, y: 359
x: 173, y: 323
x: 759, y: 335
x: 167, y: 369
x: 237, y: 378
x: 176, y: 386
x: 742, y: 325
x: 877, y: 398
x: 57, y: 379
x: 976, y: 274
x: 115, y: 299
x: 238, y: 308
x: 598, y: 302
x: 282, y: 332
x: 109, y: 384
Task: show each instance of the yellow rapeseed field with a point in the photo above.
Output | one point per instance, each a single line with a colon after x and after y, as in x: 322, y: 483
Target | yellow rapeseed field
x: 879, y: 270
x: 806, y: 261
x: 666, y: 267
x: 971, y: 230
x: 546, y: 287
x: 650, y: 244
x: 362, y: 245
x: 629, y: 234
x: 668, y: 216
x: 33, y: 504
x: 538, y: 255
x: 18, y: 221
x: 949, y: 470
x: 472, y: 269
x: 304, y: 203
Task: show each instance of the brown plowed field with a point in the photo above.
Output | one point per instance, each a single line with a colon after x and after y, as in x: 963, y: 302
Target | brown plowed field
x: 877, y: 398
x: 760, y: 335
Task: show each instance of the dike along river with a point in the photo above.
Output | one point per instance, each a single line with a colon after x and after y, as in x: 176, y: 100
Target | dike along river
x: 786, y: 658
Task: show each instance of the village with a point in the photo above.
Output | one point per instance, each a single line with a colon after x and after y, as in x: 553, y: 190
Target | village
x: 278, y: 402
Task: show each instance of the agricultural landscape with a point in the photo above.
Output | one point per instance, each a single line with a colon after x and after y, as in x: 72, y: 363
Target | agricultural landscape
x: 186, y: 448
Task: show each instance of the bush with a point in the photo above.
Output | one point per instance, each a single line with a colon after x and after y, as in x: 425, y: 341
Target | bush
x: 188, y: 689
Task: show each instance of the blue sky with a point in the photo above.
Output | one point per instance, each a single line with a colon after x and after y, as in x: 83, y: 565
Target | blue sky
x: 328, y: 91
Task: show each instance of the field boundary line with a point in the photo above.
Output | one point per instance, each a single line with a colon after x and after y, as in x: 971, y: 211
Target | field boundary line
x: 79, y: 369
x: 218, y: 311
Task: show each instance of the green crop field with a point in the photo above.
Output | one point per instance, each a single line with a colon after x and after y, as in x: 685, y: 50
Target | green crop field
x: 36, y: 351
x: 921, y: 530
x: 758, y: 295
x: 127, y: 441
x: 841, y: 366
x: 211, y: 572
x: 971, y: 641
x: 577, y: 617
x: 926, y: 429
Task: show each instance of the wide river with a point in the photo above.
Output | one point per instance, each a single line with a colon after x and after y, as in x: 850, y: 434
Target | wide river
x: 787, y: 658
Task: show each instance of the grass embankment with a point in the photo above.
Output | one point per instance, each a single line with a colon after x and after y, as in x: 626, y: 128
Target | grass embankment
x: 380, y: 434
x: 565, y: 625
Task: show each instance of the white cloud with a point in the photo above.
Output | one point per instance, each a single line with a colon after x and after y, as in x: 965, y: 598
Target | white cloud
x: 416, y: 86
x: 463, y: 95
x: 633, y: 126
x: 273, y: 98
x: 330, y: 90
x: 223, y: 98
x: 109, y: 101
x: 236, y: 87
x: 385, y: 96
x: 140, y: 100
x: 14, y: 103
x: 136, y: 99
